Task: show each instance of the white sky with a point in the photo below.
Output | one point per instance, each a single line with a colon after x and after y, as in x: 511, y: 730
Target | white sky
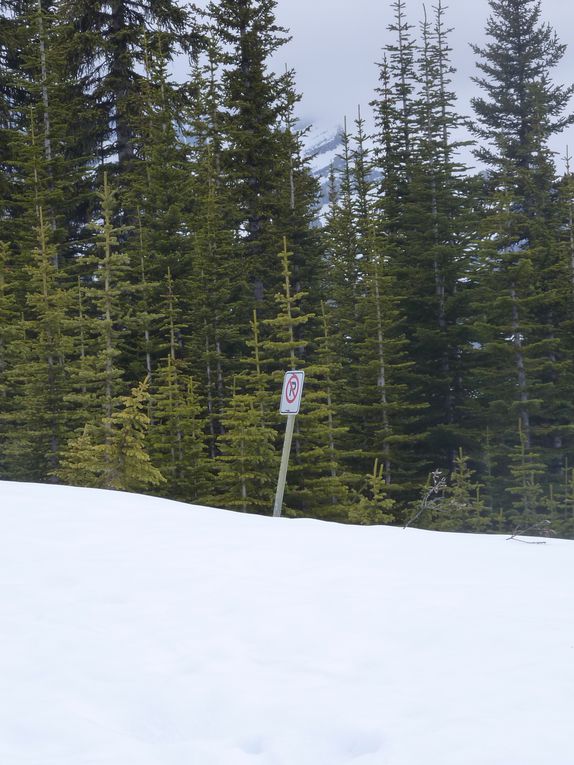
x: 337, y: 42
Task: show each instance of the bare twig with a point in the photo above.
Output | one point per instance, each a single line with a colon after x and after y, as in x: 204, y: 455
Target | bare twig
x: 541, y: 526
x: 437, y: 486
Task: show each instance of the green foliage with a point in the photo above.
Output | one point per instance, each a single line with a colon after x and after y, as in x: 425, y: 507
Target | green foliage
x: 462, y: 507
x: 139, y: 224
x: 247, y: 464
x: 112, y: 454
x: 526, y: 470
x: 373, y: 505
x: 522, y: 365
x: 177, y: 441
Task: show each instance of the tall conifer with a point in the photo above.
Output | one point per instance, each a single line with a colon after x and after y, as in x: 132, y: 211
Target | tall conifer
x: 519, y: 110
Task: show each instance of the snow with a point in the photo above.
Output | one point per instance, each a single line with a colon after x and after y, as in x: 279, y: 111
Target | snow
x: 138, y: 631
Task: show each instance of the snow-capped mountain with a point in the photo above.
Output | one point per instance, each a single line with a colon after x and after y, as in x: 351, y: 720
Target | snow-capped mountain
x: 323, y: 149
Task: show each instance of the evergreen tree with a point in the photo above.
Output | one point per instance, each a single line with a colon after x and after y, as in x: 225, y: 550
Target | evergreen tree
x: 215, y: 284
x: 373, y: 506
x: 526, y: 470
x: 462, y: 507
x: 46, y: 127
x: 41, y: 372
x: 425, y: 225
x: 437, y: 232
x: 321, y: 484
x: 8, y: 315
x: 380, y: 402
x: 97, y: 370
x: 114, y: 455
x: 246, y: 463
x: 316, y: 485
x: 260, y: 156
x: 36, y: 358
x: 106, y: 52
x: 176, y: 439
x: 519, y: 290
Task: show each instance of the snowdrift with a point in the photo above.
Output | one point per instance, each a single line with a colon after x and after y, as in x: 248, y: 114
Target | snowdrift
x: 138, y: 631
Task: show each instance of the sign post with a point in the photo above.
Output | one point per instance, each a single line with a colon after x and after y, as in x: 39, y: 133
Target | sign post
x: 290, y: 403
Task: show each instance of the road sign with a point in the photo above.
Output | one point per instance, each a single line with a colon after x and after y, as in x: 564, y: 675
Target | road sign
x: 290, y: 401
x: 292, y: 390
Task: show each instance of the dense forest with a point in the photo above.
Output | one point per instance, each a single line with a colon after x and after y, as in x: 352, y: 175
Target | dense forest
x: 163, y: 263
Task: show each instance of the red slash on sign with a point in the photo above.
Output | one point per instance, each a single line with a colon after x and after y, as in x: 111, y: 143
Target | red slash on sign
x: 292, y: 390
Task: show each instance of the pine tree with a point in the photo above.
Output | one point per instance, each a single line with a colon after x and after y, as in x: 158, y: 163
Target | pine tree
x: 381, y: 405
x: 422, y: 216
x: 106, y: 50
x: 373, y: 506
x: 36, y: 376
x: 46, y: 126
x: 526, y: 470
x: 177, y: 439
x: 8, y: 315
x: 342, y: 246
x: 259, y: 149
x: 246, y: 464
x: 462, y: 507
x: 316, y: 485
x: 321, y: 484
x: 114, y: 455
x: 211, y: 295
x: 519, y: 288
x: 437, y: 233
x: 40, y: 375
x: 97, y: 369
x: 153, y: 196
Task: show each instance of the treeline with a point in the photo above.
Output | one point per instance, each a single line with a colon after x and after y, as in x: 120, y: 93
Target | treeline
x: 162, y: 265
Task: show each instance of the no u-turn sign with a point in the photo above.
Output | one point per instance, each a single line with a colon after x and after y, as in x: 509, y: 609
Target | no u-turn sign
x: 292, y: 390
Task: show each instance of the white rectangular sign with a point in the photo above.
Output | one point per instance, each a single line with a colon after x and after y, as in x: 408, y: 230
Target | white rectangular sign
x: 292, y: 390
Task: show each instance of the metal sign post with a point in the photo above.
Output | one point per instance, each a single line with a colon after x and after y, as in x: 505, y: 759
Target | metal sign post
x: 290, y: 403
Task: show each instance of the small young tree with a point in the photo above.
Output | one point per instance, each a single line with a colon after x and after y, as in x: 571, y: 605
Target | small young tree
x: 177, y: 440
x: 113, y: 454
x: 462, y: 508
x: 246, y: 464
x: 373, y: 505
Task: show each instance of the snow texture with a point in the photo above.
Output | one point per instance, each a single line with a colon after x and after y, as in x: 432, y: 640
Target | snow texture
x: 138, y: 631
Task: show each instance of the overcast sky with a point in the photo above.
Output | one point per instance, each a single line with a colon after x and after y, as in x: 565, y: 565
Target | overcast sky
x: 337, y: 42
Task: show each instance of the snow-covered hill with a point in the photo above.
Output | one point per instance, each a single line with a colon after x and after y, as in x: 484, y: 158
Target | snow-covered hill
x: 137, y: 631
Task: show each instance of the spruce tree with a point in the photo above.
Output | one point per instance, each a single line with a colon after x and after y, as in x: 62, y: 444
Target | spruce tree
x: 321, y: 482
x: 526, y: 470
x: 260, y: 156
x: 215, y: 285
x: 106, y: 52
x: 177, y: 438
x: 97, y: 368
x: 424, y: 220
x: 381, y: 405
x: 246, y: 464
x: 519, y: 296
x: 114, y: 456
x: 372, y: 505
x: 462, y: 507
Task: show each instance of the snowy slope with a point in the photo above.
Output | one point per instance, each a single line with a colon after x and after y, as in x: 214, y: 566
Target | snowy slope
x: 136, y: 631
x: 323, y: 148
